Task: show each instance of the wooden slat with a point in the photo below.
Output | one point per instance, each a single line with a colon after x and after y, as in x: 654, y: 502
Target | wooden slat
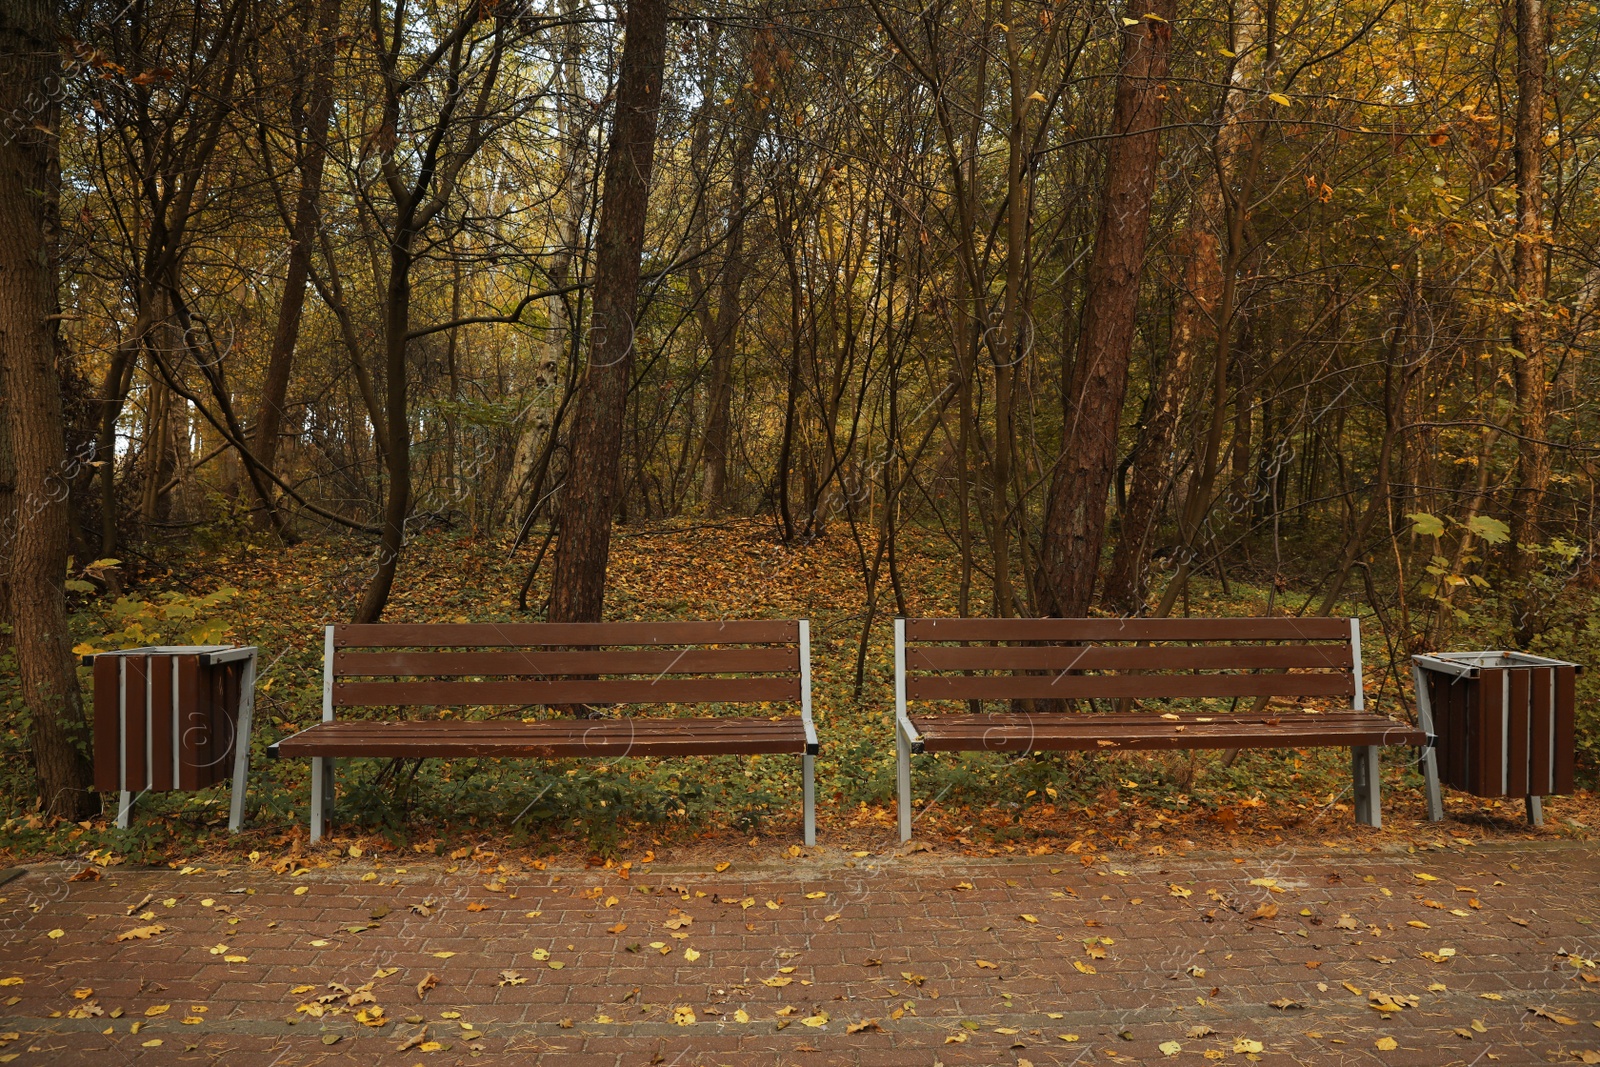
x: 107, y: 685
x: 1100, y: 657
x: 515, y: 635
x: 1566, y: 724
x: 536, y: 664
x: 1463, y: 712
x: 133, y: 738
x: 1517, y: 747
x: 1011, y: 732
x: 1492, y: 751
x: 164, y: 774
x: 1485, y: 778
x: 1154, y: 687
x: 219, y: 709
x: 191, y: 692
x: 1273, y: 629
x: 1541, y: 733
x: 551, y: 739
x: 666, y: 690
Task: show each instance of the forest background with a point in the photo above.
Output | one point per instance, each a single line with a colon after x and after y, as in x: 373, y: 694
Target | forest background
x: 328, y: 310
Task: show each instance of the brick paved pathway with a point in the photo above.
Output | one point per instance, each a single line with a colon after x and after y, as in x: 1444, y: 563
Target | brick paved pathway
x: 928, y: 958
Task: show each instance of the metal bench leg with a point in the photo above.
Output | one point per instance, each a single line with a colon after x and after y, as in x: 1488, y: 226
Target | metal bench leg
x: 1430, y: 755
x: 241, y: 744
x: 317, y: 781
x: 124, y: 808
x: 808, y: 775
x: 1535, y: 811
x: 1374, y: 788
x: 1430, y: 784
x: 330, y: 794
x: 902, y: 752
x: 1358, y: 780
x: 1364, y: 770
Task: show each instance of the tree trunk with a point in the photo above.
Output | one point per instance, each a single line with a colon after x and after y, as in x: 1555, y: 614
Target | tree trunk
x: 578, y: 583
x: 9, y: 515
x: 397, y: 419
x: 302, y: 242
x: 29, y: 191
x: 530, y: 462
x: 725, y: 330
x: 1194, y: 326
x: 1529, y: 370
x: 1074, y: 527
x: 1154, y: 464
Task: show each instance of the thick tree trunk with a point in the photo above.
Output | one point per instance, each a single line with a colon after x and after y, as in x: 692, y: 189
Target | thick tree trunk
x: 530, y: 461
x: 397, y: 419
x: 578, y: 583
x: 1528, y: 263
x: 718, y: 441
x: 1194, y: 327
x: 1154, y: 460
x: 31, y: 391
x: 9, y: 516
x: 1074, y: 527
x: 302, y: 245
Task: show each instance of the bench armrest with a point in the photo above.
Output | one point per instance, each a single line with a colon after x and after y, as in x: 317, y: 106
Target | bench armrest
x: 272, y: 749
x: 912, y: 735
x: 812, y: 744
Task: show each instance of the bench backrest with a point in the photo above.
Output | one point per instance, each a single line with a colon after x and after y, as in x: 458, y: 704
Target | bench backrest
x: 1060, y: 659
x: 457, y: 664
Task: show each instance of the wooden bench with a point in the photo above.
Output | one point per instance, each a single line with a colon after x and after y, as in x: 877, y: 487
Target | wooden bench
x: 518, y: 665
x: 1082, y: 661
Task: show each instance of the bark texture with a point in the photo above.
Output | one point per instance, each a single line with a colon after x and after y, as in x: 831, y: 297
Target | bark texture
x: 578, y: 584
x: 31, y: 391
x: 318, y: 110
x: 1154, y: 464
x: 1528, y: 264
x: 718, y: 441
x: 1074, y: 529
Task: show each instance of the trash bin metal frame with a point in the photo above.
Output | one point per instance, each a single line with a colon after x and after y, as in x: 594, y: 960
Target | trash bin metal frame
x: 1533, y: 698
x: 152, y: 683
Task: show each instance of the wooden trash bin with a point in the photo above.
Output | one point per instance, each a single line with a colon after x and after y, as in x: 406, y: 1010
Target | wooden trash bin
x: 172, y: 717
x: 1500, y: 723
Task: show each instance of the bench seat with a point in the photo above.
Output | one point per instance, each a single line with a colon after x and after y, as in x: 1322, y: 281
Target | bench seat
x: 1227, y: 684
x: 550, y: 738
x: 1054, y: 732
x: 495, y: 677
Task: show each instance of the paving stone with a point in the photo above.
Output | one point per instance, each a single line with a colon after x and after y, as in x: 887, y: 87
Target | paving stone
x: 1217, y: 959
